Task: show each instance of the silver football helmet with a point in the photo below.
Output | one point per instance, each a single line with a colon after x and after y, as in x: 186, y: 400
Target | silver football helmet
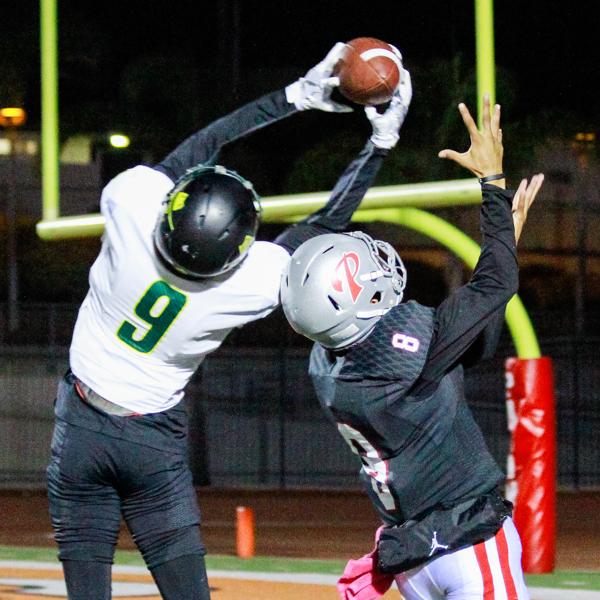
x: 337, y: 286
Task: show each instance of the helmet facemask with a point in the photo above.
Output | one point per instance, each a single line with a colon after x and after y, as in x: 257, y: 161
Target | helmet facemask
x: 392, y: 271
x: 338, y: 286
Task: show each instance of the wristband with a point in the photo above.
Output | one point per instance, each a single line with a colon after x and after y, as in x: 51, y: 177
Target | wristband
x: 483, y: 180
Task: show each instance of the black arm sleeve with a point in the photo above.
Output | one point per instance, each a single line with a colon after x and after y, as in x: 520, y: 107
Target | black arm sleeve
x: 486, y: 342
x: 465, y: 314
x: 203, y: 146
x: 347, y: 194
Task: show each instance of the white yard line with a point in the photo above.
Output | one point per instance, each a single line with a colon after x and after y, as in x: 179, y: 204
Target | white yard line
x: 314, y: 578
x: 57, y: 588
x: 562, y: 594
x: 47, y: 587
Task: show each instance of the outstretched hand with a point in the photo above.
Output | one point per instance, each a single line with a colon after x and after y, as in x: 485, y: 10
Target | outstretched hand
x: 313, y: 91
x: 386, y: 126
x: 484, y: 156
x: 523, y: 199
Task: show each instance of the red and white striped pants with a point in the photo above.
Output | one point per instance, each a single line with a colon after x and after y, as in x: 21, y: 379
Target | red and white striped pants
x: 490, y: 570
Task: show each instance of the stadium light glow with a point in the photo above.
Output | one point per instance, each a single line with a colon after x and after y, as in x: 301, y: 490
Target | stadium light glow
x: 585, y: 136
x: 119, y: 140
x: 12, y: 116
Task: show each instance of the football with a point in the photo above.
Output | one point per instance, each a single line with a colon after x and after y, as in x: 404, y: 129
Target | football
x: 369, y: 71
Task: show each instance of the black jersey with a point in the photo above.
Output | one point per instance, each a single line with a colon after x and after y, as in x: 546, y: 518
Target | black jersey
x: 398, y: 399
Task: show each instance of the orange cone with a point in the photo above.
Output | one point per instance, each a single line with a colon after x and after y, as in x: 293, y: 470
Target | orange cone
x: 245, y: 532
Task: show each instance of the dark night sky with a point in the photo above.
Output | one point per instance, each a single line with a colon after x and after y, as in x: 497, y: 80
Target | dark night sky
x: 550, y: 46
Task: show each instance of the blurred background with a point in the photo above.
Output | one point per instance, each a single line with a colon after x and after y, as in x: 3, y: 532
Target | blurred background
x: 156, y: 72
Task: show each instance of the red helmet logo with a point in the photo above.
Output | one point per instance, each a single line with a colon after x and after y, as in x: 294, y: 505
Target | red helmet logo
x: 346, y: 270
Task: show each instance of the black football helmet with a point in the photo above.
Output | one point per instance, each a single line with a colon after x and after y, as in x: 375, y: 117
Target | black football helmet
x: 210, y: 221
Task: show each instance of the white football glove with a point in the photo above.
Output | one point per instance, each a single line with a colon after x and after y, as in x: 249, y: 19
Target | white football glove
x: 386, y: 126
x: 314, y: 89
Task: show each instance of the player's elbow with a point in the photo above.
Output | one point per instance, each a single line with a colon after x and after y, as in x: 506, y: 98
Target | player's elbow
x: 502, y: 289
x: 511, y: 286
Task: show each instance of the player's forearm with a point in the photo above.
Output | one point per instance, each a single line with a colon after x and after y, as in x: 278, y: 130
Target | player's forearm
x: 350, y: 189
x: 497, y: 268
x: 345, y: 198
x: 495, y: 279
x: 472, y: 311
x: 203, y: 147
x: 485, y: 344
x: 463, y: 318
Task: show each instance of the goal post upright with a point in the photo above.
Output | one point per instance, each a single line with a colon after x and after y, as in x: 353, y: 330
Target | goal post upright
x: 49, y: 108
x: 484, y: 53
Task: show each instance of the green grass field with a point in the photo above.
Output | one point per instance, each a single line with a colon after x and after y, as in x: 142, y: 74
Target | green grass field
x: 574, y: 580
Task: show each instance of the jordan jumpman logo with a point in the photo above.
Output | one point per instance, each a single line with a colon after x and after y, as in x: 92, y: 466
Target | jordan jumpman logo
x: 435, y: 545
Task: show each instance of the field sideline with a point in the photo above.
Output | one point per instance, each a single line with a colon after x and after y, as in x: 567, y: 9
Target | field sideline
x: 301, y: 570
x: 303, y: 539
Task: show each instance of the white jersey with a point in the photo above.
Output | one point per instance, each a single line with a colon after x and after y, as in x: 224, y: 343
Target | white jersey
x: 142, y: 331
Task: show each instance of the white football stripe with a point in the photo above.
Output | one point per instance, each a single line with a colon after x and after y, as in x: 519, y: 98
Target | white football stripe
x: 377, y: 52
x: 491, y: 550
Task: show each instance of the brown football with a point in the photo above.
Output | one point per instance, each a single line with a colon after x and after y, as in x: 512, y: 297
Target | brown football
x: 369, y: 71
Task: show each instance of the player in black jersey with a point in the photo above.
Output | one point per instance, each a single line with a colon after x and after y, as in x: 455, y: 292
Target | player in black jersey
x: 390, y: 377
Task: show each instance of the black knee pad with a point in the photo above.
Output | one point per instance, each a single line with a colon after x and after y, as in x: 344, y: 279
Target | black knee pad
x: 86, y: 551
x: 158, y: 547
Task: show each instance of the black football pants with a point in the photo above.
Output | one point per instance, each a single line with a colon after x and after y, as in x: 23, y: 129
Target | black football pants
x: 103, y: 467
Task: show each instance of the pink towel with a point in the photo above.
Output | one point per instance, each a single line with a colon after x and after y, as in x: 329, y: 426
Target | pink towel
x: 361, y: 580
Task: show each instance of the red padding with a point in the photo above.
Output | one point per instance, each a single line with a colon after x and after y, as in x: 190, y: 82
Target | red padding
x: 531, y: 472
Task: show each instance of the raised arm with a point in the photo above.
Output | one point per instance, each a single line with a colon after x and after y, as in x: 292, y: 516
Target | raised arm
x: 313, y: 91
x: 472, y: 313
x: 203, y: 147
x: 485, y: 345
x: 358, y: 177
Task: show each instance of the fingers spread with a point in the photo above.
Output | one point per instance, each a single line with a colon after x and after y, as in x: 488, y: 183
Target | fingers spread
x: 517, y: 203
x: 496, y: 131
x: 451, y: 155
x: 342, y: 108
x: 485, y: 115
x: 467, y: 119
x: 396, y: 51
x: 331, y: 81
x: 335, y: 53
x: 370, y: 111
x: 538, y: 180
x: 404, y: 88
x: 534, y: 188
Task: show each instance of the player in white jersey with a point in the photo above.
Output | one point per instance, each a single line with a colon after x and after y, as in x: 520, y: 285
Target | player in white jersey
x: 142, y: 330
x: 177, y: 271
